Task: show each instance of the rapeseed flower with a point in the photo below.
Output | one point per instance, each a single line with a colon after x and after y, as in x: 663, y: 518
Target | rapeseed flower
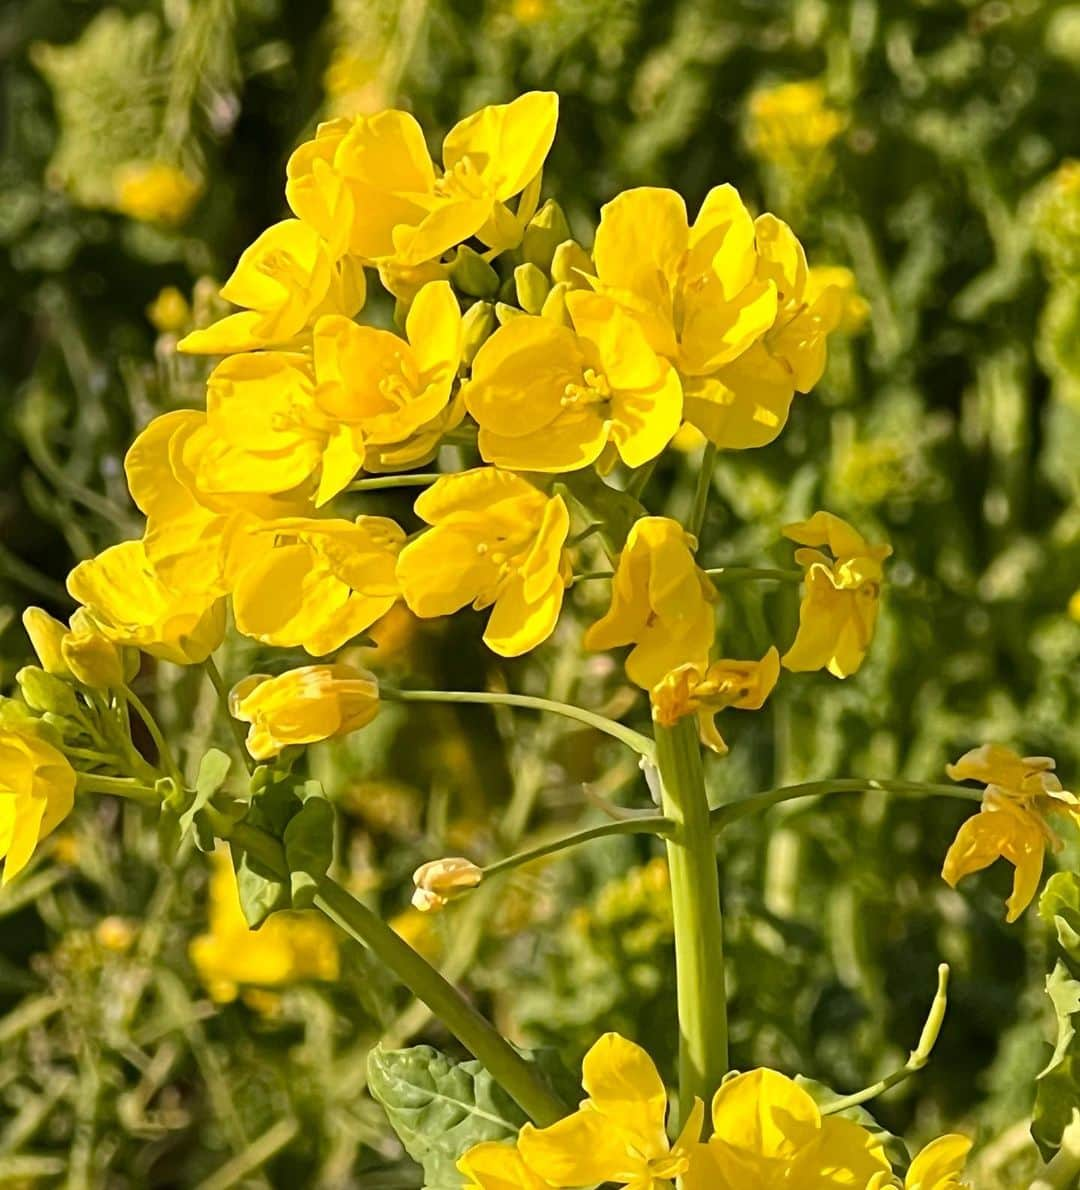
x: 661, y: 603
x: 496, y: 1165
x: 841, y: 596
x: 552, y: 398
x: 303, y: 706
x: 155, y: 192
x: 496, y: 541
x: 1012, y: 821
x: 131, y: 605
x: 790, y: 125
x: 937, y: 1166
x: 37, y: 791
x: 440, y: 880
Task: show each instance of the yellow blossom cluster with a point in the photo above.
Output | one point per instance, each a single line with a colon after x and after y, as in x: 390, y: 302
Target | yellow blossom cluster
x: 766, y: 1131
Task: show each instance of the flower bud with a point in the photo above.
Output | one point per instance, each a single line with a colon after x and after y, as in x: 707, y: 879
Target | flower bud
x: 477, y: 323
x: 504, y: 313
x: 531, y: 287
x: 554, y: 307
x: 115, y: 933
x: 46, y: 692
x: 46, y: 635
x: 569, y: 262
x: 547, y: 229
x: 440, y: 880
x: 472, y: 274
x: 91, y: 657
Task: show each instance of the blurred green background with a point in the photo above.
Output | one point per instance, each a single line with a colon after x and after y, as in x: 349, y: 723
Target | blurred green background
x: 949, y: 426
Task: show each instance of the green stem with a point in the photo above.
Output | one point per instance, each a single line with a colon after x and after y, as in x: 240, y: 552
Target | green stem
x: 701, y: 492
x: 647, y: 824
x: 920, y: 1055
x: 506, y: 1066
x: 626, y: 735
x: 724, y: 574
x: 164, y: 752
x: 119, y: 787
x: 378, y: 482
x: 641, y: 477
x: 724, y: 816
x: 214, y: 674
x: 695, y: 896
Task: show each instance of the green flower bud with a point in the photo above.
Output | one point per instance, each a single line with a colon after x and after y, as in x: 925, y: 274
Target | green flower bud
x: 531, y: 286
x: 477, y: 323
x: 554, y: 307
x: 547, y: 229
x: 46, y: 692
x: 472, y: 275
x: 504, y: 313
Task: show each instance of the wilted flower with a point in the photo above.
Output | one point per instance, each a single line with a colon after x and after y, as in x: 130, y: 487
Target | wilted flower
x: 37, y: 791
x: 440, y: 880
x: 302, y: 706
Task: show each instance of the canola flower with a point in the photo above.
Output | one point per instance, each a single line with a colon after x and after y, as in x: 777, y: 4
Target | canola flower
x: 156, y: 192
x: 792, y: 124
x: 37, y: 791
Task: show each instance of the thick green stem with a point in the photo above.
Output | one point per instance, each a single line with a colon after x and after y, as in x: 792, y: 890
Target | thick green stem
x: 695, y: 896
x: 625, y: 735
x: 506, y: 1066
x: 647, y: 824
x: 723, y: 816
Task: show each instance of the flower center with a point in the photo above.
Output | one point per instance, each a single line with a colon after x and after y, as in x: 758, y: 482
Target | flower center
x: 594, y: 390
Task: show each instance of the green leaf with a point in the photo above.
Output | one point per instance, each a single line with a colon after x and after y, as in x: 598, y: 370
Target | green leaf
x: 1059, y: 906
x: 895, y: 1149
x: 262, y: 891
x: 309, y: 844
x: 439, y: 1107
x: 213, y: 769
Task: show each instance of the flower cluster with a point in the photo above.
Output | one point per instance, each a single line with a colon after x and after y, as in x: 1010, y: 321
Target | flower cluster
x: 766, y: 1131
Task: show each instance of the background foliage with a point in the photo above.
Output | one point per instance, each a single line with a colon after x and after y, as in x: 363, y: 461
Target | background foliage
x: 951, y: 427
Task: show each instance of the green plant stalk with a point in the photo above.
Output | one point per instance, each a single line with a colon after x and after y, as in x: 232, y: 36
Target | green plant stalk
x: 698, y: 922
x: 625, y: 735
x: 381, y: 482
x: 518, y: 1078
x: 702, y: 490
x: 119, y: 787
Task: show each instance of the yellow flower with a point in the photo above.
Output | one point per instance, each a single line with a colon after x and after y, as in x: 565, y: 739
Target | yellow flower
x: 287, y: 948
x: 318, y: 583
x: 379, y: 390
x: 498, y: 1166
x: 302, y: 706
x: 285, y: 280
x: 694, y: 289
x: 198, y: 537
x: 374, y: 176
x: 80, y: 651
x: 155, y: 192
x: 618, y: 1134
x: 792, y: 123
x: 768, y: 1132
x: 496, y: 540
x: 853, y: 308
x: 687, y: 690
x: 661, y: 603
x: 937, y: 1166
x: 1011, y: 824
x: 37, y: 791
x: 440, y: 880
x: 1074, y: 606
x: 840, y: 601
x: 132, y: 606
x: 551, y: 398
x: 169, y: 311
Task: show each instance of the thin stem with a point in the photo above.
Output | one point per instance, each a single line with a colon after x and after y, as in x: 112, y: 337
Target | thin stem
x: 164, y: 752
x: 214, y: 674
x: 506, y: 1066
x: 625, y: 735
x: 119, y: 787
x: 724, y: 816
x: 920, y: 1055
x: 649, y: 824
x: 641, y: 477
x: 695, y: 897
x: 377, y: 482
x: 724, y: 574
x: 701, y: 492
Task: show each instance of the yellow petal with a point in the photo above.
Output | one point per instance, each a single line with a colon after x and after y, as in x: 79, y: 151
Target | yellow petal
x: 581, y: 1150
x: 506, y: 143
x: 763, y: 1112
x: 641, y: 239
x: 623, y: 1084
x: 496, y: 1166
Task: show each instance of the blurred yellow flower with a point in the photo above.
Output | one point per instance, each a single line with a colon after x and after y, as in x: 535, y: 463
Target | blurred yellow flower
x: 37, y: 791
x: 661, y: 603
x: 769, y: 1132
x: 419, y: 931
x: 937, y: 1166
x: 791, y: 124
x: 374, y: 176
x: 115, y: 933
x: 155, y: 192
x: 687, y: 690
x: 285, y: 280
x: 551, y: 398
x: 1074, y: 606
x: 497, y: 542
x: 376, y: 389
x: 854, y: 309
x: 288, y: 947
x: 618, y: 1134
x: 302, y: 706
x: 132, y: 606
x: 842, y: 592
x: 440, y: 880
x: 1012, y: 823
x: 318, y: 583
x: 169, y: 311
